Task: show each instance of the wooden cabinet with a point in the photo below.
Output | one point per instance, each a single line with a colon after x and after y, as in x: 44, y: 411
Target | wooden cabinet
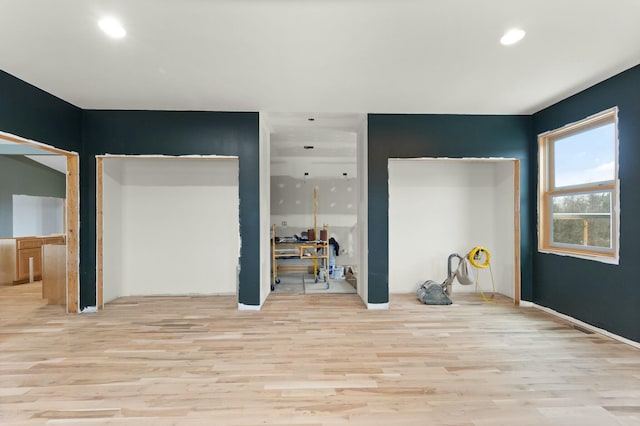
x: 23, y: 257
x: 54, y: 273
x: 15, y: 254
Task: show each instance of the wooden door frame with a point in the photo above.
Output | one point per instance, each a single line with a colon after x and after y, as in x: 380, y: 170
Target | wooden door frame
x: 72, y: 216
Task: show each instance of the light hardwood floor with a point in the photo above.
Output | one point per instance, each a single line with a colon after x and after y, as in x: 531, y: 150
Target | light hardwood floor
x: 308, y: 360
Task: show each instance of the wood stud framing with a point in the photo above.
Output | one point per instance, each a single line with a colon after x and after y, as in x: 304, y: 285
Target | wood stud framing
x: 99, y: 236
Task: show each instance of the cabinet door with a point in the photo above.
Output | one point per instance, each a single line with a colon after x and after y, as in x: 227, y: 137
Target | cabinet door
x: 23, y: 263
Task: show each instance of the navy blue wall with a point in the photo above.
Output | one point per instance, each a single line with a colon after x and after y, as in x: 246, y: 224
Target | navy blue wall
x: 607, y: 296
x: 455, y: 136
x: 32, y: 113
x: 173, y: 133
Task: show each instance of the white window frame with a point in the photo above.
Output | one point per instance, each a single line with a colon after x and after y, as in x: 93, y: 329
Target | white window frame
x: 547, y: 190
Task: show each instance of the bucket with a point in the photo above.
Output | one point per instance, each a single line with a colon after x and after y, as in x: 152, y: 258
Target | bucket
x: 338, y: 272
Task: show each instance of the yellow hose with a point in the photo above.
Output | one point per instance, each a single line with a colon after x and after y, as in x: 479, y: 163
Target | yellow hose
x: 474, y: 256
x: 476, y: 253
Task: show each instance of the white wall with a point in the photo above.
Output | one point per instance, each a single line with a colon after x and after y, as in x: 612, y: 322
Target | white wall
x: 179, y: 226
x: 504, y: 265
x: 112, y: 229
x: 337, y: 199
x: 439, y: 207
x: 37, y: 216
x: 316, y: 166
x: 363, y: 211
x: 265, y: 207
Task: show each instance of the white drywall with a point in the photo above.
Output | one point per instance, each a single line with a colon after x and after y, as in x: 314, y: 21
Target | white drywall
x: 112, y: 229
x: 362, y: 244
x: 292, y: 202
x: 265, y: 206
x: 37, y: 216
x: 179, y: 226
x: 503, y: 255
x: 439, y: 207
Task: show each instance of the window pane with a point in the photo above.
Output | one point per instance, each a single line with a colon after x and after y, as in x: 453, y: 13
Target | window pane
x: 583, y: 219
x: 585, y: 157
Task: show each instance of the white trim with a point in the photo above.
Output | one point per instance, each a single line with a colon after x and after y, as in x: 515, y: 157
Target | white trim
x: 585, y: 325
x: 378, y: 306
x: 89, y: 310
x: 243, y: 307
x: 221, y: 157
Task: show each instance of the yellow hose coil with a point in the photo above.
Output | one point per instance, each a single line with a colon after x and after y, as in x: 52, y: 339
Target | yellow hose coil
x: 475, y: 254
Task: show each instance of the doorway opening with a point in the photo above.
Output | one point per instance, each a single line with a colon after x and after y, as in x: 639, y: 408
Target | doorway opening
x: 40, y: 246
x: 315, y: 195
x: 442, y: 206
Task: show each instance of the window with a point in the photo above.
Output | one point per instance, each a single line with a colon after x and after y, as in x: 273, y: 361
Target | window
x: 578, y: 207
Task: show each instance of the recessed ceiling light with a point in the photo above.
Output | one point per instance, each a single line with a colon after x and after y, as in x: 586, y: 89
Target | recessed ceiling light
x: 112, y: 27
x: 512, y: 36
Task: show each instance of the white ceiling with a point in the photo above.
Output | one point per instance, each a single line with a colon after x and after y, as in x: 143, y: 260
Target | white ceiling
x: 326, y: 56
x: 55, y: 162
x: 332, y: 139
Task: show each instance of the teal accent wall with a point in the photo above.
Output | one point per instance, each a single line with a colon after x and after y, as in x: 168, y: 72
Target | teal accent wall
x: 173, y: 133
x: 32, y: 113
x: 455, y: 136
x: 606, y: 296
x: 20, y: 175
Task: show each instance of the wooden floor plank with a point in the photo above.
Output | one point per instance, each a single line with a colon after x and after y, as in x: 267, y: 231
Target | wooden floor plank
x: 307, y: 360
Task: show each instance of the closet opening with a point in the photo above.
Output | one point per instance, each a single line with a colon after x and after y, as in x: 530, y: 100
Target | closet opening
x: 442, y: 206
x: 167, y: 226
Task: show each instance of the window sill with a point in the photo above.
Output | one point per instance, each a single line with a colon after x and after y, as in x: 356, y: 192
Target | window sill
x: 602, y: 259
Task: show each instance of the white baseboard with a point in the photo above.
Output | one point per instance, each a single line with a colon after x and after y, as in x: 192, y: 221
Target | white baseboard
x: 89, y: 310
x: 243, y: 307
x: 378, y: 306
x: 583, y: 324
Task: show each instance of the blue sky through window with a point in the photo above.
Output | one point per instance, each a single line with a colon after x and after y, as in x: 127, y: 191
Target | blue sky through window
x: 585, y: 157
